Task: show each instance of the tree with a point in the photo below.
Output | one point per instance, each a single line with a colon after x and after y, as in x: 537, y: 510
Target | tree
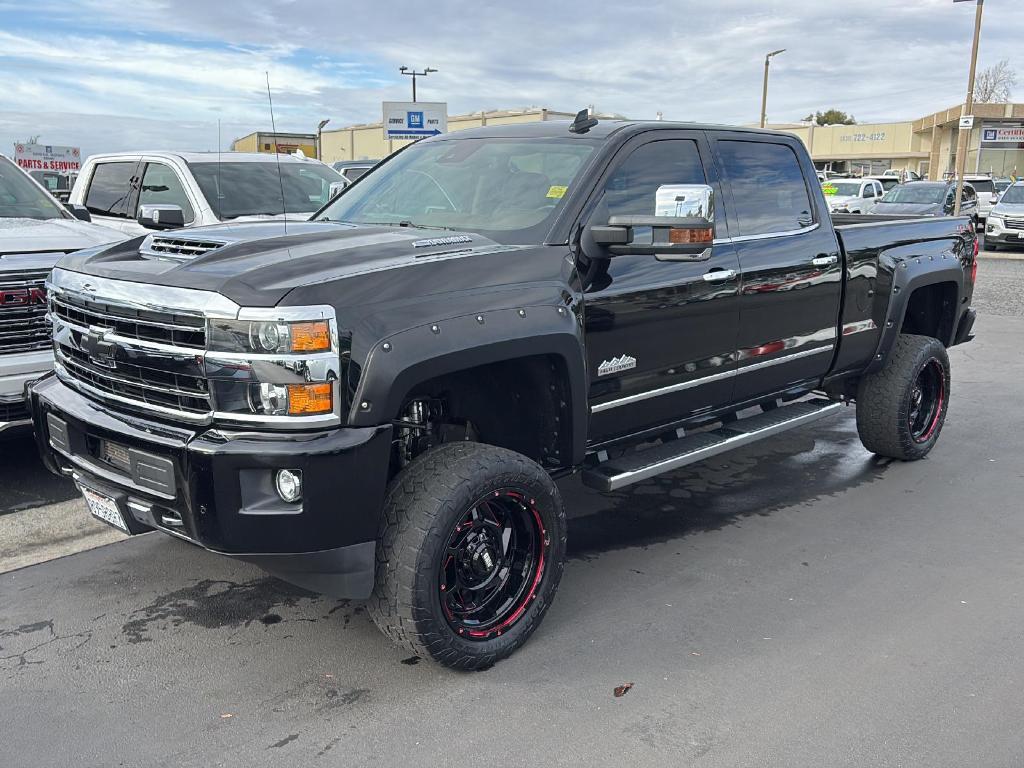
x: 831, y: 117
x: 995, y: 84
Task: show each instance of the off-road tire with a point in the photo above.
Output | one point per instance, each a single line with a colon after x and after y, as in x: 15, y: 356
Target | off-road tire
x: 422, y: 505
x: 884, y: 399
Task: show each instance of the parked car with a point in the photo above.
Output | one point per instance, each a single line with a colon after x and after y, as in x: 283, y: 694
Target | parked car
x: 1002, y: 185
x: 191, y: 189
x: 376, y: 404
x: 988, y: 194
x: 927, y: 198
x: 902, y: 175
x: 56, y: 183
x: 887, y: 182
x: 353, y: 169
x: 1005, y: 224
x: 851, y: 195
x: 35, y: 231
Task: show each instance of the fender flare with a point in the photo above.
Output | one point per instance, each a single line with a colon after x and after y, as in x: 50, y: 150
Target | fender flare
x: 909, y: 275
x: 399, y: 362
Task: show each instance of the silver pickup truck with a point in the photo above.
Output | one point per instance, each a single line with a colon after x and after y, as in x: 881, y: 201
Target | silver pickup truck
x: 35, y: 232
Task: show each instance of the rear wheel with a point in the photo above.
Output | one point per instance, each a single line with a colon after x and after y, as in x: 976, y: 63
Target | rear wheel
x: 901, y: 409
x: 469, y: 556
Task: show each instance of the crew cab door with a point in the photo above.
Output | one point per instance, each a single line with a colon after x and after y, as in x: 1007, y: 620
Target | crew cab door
x: 660, y: 333
x: 790, y: 261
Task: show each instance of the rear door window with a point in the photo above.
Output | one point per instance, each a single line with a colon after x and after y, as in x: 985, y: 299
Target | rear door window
x: 160, y: 184
x: 769, y: 194
x: 110, y: 189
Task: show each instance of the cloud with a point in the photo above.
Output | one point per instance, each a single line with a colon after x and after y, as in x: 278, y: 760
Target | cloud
x: 176, y: 61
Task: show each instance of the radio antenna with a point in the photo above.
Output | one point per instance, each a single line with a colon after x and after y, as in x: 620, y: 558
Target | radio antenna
x: 219, y: 192
x: 277, y: 154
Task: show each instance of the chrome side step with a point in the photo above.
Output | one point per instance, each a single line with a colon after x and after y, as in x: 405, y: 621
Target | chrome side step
x: 640, y: 465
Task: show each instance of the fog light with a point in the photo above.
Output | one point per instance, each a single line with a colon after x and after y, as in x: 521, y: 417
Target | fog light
x: 289, y: 484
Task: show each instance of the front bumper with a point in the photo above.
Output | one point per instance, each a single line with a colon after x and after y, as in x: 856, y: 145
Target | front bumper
x: 215, y: 487
x: 997, y: 234
x: 16, y: 372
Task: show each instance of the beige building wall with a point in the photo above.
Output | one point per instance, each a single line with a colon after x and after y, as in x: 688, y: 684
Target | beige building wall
x: 367, y: 142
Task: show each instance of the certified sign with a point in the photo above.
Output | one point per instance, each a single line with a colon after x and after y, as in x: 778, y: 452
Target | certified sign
x: 47, y: 157
x: 411, y: 120
x: 1003, y: 134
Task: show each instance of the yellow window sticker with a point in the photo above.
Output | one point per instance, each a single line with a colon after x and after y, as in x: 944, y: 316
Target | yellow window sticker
x: 557, y: 191
x: 828, y: 189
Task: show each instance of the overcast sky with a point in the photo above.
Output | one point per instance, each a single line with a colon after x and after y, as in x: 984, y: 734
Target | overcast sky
x: 114, y: 75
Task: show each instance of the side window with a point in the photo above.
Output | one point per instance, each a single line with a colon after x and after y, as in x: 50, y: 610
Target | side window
x: 160, y: 184
x: 768, y: 189
x: 110, y: 188
x: 632, y: 188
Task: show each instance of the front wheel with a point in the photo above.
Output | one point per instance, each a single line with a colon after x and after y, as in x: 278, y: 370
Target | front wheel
x: 901, y: 408
x: 470, y: 553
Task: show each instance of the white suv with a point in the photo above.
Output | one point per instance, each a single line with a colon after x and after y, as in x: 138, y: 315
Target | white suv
x: 851, y: 195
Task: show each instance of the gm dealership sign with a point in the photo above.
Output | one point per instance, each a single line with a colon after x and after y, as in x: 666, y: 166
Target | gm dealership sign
x: 413, y: 120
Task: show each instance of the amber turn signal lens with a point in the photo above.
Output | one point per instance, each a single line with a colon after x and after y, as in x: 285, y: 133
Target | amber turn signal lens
x: 684, y: 236
x: 311, y: 337
x: 309, y: 399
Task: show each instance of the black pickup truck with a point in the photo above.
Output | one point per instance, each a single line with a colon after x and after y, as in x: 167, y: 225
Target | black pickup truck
x: 376, y: 403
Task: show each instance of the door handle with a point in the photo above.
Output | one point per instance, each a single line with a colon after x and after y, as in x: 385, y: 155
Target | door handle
x: 825, y: 261
x: 719, y: 275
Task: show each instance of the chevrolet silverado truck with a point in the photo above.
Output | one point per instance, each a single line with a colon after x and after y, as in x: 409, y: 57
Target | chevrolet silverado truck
x: 377, y: 403
x: 35, y: 232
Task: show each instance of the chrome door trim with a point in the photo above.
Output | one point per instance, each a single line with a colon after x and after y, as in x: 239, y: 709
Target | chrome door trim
x: 765, y: 236
x: 640, y: 396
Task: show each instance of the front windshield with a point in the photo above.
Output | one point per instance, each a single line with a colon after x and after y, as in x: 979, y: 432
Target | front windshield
x: 921, y: 194
x: 236, y: 189
x: 1014, y: 195
x: 20, y: 198
x: 506, y: 189
x: 841, y: 188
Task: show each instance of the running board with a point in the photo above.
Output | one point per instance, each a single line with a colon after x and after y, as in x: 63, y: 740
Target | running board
x: 640, y: 465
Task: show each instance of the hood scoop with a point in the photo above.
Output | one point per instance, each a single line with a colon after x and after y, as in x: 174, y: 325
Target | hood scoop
x: 176, y: 247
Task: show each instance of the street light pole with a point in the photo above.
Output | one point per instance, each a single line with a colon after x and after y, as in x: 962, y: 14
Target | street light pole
x: 964, y: 135
x: 414, y: 74
x: 764, y: 89
x: 319, y: 138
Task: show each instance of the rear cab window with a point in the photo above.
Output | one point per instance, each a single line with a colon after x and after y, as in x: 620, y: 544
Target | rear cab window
x: 769, y: 192
x: 110, y: 188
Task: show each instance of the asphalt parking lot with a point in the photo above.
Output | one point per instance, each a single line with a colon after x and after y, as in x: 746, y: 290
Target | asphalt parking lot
x: 799, y: 602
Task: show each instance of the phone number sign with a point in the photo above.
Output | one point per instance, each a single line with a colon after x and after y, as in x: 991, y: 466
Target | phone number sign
x: 48, y: 157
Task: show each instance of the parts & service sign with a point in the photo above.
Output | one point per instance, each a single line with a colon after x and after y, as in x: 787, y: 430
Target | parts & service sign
x: 48, y: 157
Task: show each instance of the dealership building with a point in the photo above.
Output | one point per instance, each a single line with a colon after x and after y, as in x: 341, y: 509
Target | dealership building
x: 927, y: 145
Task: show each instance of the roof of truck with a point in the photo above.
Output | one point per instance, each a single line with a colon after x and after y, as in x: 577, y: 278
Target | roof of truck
x: 555, y: 129
x: 199, y: 157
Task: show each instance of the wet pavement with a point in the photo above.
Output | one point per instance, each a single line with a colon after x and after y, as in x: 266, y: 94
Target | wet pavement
x: 797, y: 602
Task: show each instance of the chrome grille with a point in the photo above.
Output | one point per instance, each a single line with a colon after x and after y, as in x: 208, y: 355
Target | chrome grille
x: 147, y: 386
x: 23, y: 323
x: 1014, y: 223
x: 163, y: 327
x: 178, y: 248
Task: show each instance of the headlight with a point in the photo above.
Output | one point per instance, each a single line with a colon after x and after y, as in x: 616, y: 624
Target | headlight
x: 275, y: 365
x: 995, y: 220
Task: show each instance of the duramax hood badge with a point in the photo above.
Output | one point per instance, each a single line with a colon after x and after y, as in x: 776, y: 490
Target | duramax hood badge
x: 616, y: 365
x: 433, y: 241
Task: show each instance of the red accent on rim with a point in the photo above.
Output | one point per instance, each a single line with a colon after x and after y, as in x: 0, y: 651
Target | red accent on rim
x: 938, y: 406
x: 532, y: 588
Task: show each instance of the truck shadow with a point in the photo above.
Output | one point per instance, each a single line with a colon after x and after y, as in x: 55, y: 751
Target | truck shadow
x: 800, y: 467
x: 26, y: 483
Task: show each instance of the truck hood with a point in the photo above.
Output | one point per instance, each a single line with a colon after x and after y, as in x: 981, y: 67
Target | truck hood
x: 834, y: 200
x: 920, y: 209
x: 256, y: 264
x: 1008, y: 209
x: 52, y: 235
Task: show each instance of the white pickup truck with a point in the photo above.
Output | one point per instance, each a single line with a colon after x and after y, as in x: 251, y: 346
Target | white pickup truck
x: 139, y: 191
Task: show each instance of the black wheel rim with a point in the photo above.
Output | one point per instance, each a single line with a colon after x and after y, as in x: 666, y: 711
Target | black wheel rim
x: 492, y: 564
x: 927, y: 399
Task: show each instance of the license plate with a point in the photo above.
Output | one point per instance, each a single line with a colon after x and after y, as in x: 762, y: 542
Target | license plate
x: 1021, y: 235
x: 104, y: 508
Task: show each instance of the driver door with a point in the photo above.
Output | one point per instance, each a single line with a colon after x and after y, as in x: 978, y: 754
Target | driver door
x: 660, y: 334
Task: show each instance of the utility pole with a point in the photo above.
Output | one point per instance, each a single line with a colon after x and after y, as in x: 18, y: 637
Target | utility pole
x: 963, y: 135
x: 764, y: 90
x: 319, y: 138
x: 414, y: 74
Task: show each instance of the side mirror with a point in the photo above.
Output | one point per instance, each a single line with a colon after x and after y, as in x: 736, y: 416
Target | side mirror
x: 682, y: 227
x: 337, y: 187
x: 160, y: 216
x: 80, y: 212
